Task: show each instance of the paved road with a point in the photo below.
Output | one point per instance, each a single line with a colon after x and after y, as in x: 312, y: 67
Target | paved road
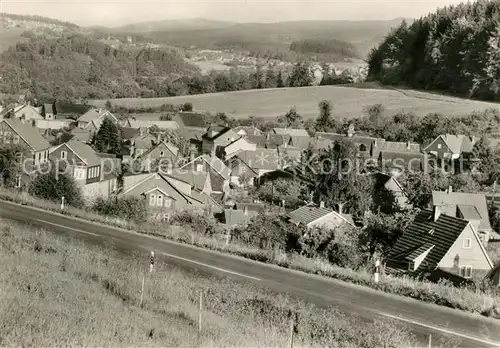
x: 442, y: 323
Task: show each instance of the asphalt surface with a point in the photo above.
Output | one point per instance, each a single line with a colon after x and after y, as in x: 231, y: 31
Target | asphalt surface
x: 446, y: 326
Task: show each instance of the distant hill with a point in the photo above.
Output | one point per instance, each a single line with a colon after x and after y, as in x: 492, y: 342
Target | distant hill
x: 76, y: 66
x: 20, y: 28
x: 170, y: 25
x: 455, y: 50
x: 278, y: 37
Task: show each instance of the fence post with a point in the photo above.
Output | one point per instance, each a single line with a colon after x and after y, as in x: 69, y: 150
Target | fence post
x: 201, y: 309
x: 292, y: 324
x: 152, y: 262
x: 142, y: 289
x: 376, y: 275
x: 430, y: 340
x: 228, y: 237
x: 62, y: 202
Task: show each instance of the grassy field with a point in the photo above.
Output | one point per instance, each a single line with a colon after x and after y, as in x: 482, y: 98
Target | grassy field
x: 347, y: 102
x: 56, y: 291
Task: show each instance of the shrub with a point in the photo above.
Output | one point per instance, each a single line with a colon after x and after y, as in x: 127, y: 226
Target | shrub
x: 130, y: 208
x: 53, y: 186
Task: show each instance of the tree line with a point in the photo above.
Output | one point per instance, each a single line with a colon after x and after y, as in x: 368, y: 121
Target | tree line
x: 455, y: 50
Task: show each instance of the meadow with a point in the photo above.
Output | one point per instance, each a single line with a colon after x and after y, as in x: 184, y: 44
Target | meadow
x: 347, y: 102
x: 57, y: 290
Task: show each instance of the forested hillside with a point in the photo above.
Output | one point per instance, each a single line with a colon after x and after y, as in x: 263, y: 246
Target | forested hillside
x: 456, y: 50
x: 79, y: 67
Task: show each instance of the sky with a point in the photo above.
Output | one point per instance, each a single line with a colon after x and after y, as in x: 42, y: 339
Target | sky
x: 120, y: 12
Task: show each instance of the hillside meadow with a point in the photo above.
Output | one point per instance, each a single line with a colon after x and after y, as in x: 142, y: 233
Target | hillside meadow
x: 57, y: 290
x: 347, y: 102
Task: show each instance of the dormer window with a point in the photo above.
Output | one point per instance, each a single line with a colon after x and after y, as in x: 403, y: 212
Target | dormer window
x: 431, y: 232
x: 64, y: 155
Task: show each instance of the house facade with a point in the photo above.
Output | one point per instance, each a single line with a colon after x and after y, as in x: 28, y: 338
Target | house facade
x: 450, y: 146
x: 237, y: 146
x: 93, y: 119
x: 217, y: 137
x: 313, y: 216
x: 438, y: 242
x: 18, y: 133
x: 162, y: 153
x: 27, y: 112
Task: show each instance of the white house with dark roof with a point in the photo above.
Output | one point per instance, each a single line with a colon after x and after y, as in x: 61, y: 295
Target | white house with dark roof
x: 438, y: 242
x: 96, y: 176
x: 92, y: 119
x: 450, y: 146
x: 16, y: 132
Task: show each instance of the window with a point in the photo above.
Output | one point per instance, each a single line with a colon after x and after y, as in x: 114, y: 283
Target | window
x: 152, y: 199
x: 466, y: 271
x: 199, y: 167
x: 39, y: 157
x: 467, y: 243
x: 168, y: 202
x: 411, y: 266
x: 64, y: 155
x: 439, y: 146
x: 45, y: 156
x: 162, y: 154
x: 159, y: 201
x: 362, y: 148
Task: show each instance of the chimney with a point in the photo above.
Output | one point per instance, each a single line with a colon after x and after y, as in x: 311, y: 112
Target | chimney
x: 322, y: 204
x: 450, y: 189
x: 437, y: 212
x: 245, y: 210
x: 158, y: 137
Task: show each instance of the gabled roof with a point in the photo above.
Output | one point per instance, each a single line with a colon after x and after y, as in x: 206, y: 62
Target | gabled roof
x: 215, y: 163
x: 170, y: 147
x: 191, y: 119
x: 394, y: 146
x: 457, y: 143
x: 259, y: 140
x: 29, y: 134
x: 469, y: 212
x: 150, y: 123
x: 424, y: 248
x: 301, y: 142
x: 261, y: 159
x: 450, y: 200
x: 24, y: 106
x: 192, y: 177
x: 93, y: 115
x: 249, y: 130
x: 291, y: 132
x: 81, y: 134
x: 407, y: 161
x: 215, y: 131
x: 144, y: 142
x: 151, y: 182
x: 311, y: 213
x: 83, y: 151
x: 445, y: 231
x: 129, y: 133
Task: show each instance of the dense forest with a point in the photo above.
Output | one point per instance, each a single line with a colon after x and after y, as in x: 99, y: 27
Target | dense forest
x: 325, y: 46
x: 79, y: 67
x: 456, y: 50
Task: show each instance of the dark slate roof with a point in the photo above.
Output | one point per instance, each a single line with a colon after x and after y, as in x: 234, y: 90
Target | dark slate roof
x: 192, y: 119
x: 219, y: 130
x: 405, y: 160
x: 446, y: 230
x: 301, y: 142
x: 419, y: 251
x: 394, y: 146
x: 259, y: 140
x: 261, y: 159
x: 48, y: 108
x: 84, y: 151
x: 129, y: 133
